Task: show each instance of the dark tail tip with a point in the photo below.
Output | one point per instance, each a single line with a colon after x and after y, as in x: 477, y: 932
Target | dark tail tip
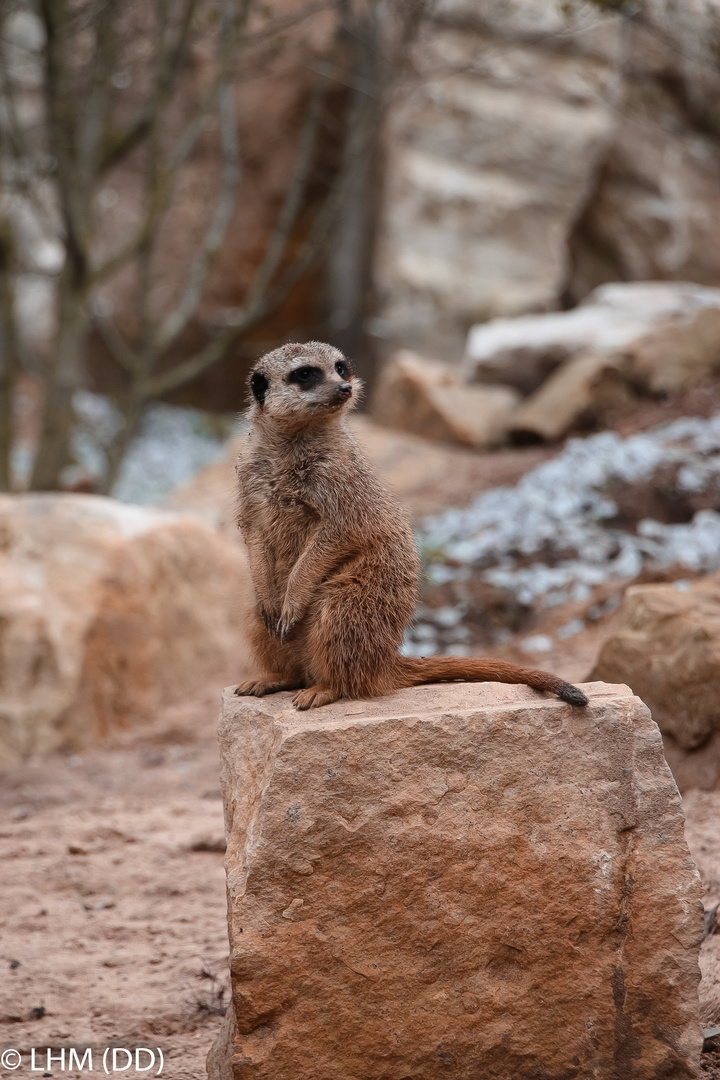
x: 572, y: 695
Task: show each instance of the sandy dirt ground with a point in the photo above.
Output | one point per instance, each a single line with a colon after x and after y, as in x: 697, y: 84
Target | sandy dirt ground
x: 112, y: 905
x: 112, y: 909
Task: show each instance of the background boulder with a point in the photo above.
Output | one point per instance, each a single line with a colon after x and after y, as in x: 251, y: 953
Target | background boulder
x: 665, y: 335
x: 667, y: 648
x: 584, y: 390
x: 431, y: 399
x: 542, y: 150
x: 107, y: 611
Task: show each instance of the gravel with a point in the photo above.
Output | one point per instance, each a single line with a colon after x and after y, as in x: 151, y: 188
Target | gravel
x: 552, y: 538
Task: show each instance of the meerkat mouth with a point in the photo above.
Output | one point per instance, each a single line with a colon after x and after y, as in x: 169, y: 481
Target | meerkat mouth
x: 333, y: 405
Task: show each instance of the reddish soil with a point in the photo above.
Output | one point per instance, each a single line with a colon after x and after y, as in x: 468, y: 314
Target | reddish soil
x: 113, y: 899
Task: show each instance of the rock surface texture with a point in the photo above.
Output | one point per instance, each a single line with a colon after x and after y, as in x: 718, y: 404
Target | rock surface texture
x: 543, y: 150
x: 663, y: 336
x: 667, y: 648
x: 427, y: 398
x: 467, y: 880
x: 108, y: 611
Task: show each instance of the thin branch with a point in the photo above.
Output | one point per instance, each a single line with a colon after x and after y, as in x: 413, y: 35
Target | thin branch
x: 178, y: 319
x: 128, y: 250
x: 15, y: 134
x: 261, y: 301
x: 256, y: 303
x: 62, y: 126
x: 120, y: 143
x: 157, y: 191
x: 291, y: 206
x: 176, y: 157
x: 114, y: 342
x: 95, y: 124
x: 9, y: 352
x: 288, y: 22
x: 229, y: 40
x: 361, y: 125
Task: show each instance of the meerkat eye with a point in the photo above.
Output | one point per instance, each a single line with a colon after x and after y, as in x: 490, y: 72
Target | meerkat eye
x: 259, y: 385
x: 306, y: 376
x: 342, y: 369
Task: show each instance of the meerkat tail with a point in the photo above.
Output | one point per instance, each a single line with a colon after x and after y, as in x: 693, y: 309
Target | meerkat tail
x: 415, y: 671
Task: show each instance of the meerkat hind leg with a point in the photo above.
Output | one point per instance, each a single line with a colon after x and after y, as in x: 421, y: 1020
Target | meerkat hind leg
x: 261, y: 687
x: 314, y: 697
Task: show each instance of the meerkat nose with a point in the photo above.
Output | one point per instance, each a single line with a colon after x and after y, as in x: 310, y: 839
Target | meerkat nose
x: 344, y: 389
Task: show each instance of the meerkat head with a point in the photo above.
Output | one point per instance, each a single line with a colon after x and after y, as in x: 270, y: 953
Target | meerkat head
x: 297, y: 385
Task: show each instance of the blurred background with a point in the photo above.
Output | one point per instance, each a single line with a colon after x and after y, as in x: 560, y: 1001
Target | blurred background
x: 507, y: 212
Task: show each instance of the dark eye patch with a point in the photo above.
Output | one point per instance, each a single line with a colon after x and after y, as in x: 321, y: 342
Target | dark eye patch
x: 344, y: 369
x: 305, y: 377
x: 259, y: 385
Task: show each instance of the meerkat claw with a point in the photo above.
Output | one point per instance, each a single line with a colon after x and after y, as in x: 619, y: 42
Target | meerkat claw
x: 268, y: 618
x: 285, y: 628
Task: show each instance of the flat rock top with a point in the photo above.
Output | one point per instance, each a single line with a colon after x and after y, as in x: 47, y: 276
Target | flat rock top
x: 432, y: 699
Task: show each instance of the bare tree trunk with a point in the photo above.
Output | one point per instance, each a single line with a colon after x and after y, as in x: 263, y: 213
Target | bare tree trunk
x: 64, y: 380
x: 348, y: 263
x: 132, y: 411
x: 9, y: 364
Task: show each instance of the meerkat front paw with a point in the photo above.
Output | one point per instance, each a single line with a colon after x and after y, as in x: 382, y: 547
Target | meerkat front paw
x: 269, y: 617
x: 287, y: 622
x: 261, y: 687
x: 314, y: 697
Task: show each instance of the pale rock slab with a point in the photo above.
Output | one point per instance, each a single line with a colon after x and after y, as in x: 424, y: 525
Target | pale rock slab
x: 653, y: 212
x: 667, y: 648
x: 429, y: 398
x: 545, y: 149
x: 107, y: 612
x: 585, y: 389
x: 468, y: 879
x: 665, y: 336
x: 491, y: 156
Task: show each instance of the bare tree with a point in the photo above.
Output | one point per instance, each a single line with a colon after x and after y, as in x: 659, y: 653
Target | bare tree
x: 85, y: 135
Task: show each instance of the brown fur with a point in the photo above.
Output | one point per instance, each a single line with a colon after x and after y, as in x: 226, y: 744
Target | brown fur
x: 331, y: 552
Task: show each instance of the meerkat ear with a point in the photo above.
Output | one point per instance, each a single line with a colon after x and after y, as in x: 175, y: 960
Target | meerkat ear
x: 259, y: 385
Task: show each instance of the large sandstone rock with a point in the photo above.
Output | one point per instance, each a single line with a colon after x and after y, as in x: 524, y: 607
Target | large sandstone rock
x: 653, y: 211
x: 547, y: 148
x: 430, y: 399
x: 667, y: 648
x: 665, y: 336
x: 586, y: 389
x: 490, y: 158
x: 108, y: 611
x: 466, y: 880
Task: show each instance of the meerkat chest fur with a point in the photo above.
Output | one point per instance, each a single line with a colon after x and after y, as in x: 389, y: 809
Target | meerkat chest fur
x: 285, y: 487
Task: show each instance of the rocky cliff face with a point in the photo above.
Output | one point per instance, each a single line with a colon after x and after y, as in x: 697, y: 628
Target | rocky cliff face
x: 540, y: 153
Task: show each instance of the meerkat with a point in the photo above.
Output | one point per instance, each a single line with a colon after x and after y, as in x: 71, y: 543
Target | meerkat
x: 331, y: 553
